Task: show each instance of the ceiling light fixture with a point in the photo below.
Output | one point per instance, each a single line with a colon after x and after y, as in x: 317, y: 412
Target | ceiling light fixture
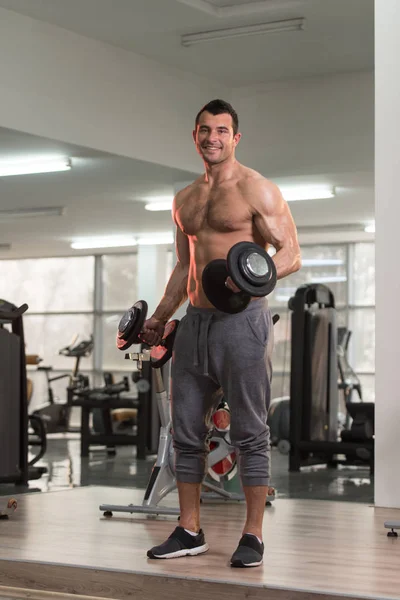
x: 151, y: 239
x: 106, y: 242
x: 34, y: 166
x: 157, y: 206
x: 306, y: 192
x: 191, y: 39
x: 212, y: 7
x: 28, y: 213
x: 370, y: 228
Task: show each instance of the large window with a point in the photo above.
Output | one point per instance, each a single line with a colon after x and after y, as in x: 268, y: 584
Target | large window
x: 119, y: 281
x: 320, y: 264
x: 71, y: 298
x: 119, y: 292
x: 362, y: 315
x: 49, y: 284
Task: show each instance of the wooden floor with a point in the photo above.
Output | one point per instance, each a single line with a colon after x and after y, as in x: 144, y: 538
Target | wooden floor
x: 58, y: 545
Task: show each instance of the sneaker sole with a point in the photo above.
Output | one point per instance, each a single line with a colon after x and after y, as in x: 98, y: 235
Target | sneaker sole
x: 179, y: 553
x: 241, y: 565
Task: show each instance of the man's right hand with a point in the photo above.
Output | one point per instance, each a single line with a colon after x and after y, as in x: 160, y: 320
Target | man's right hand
x: 152, y: 331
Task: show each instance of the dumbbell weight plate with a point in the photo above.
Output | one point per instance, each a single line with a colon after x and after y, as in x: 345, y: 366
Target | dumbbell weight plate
x: 161, y: 354
x: 251, y: 269
x: 213, y: 279
x: 131, y: 325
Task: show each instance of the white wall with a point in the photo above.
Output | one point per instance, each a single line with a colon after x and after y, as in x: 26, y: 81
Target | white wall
x: 60, y: 85
x: 387, y: 168
x: 315, y: 125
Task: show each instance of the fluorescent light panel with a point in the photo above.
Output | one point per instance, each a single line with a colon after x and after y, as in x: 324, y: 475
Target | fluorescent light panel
x: 33, y: 166
x: 122, y: 242
x: 306, y: 192
x: 28, y: 213
x: 103, y: 243
x: 158, y: 206
x: 370, y: 228
x: 235, y: 10
x: 233, y: 32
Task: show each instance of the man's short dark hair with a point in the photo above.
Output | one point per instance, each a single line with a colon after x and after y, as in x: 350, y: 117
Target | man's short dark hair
x: 220, y: 107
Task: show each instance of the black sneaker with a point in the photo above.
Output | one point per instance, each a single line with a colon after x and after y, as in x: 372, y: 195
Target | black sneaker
x: 249, y: 552
x: 180, y: 543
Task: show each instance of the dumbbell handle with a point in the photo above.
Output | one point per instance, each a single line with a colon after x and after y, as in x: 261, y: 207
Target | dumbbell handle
x: 162, y: 343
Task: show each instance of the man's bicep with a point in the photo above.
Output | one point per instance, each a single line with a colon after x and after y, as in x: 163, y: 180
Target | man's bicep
x: 275, y: 220
x: 283, y: 228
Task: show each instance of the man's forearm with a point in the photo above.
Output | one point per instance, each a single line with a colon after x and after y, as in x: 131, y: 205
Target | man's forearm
x: 175, y: 293
x: 286, y: 262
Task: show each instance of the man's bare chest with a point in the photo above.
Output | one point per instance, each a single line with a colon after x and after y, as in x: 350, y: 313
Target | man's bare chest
x: 220, y: 211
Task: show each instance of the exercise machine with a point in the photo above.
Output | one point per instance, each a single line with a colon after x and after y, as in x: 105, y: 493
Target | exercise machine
x: 56, y: 415
x: 350, y: 418
x: 314, y: 398
x: 222, y: 456
x: 14, y: 440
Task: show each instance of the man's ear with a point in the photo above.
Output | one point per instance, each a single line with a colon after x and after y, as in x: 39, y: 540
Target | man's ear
x: 237, y: 138
x: 194, y: 132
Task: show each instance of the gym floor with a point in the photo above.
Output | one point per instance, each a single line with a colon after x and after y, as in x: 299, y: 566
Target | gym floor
x: 66, y: 469
x: 75, y: 562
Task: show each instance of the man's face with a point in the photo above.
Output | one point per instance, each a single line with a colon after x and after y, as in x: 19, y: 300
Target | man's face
x: 214, y: 138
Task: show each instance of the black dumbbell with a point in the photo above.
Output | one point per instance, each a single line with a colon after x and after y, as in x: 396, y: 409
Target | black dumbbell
x: 251, y: 269
x: 131, y: 325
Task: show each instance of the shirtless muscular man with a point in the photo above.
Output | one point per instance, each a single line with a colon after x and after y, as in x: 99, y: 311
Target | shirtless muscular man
x: 229, y: 203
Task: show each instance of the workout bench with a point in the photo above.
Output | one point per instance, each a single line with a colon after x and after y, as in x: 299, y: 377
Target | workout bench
x: 107, y: 403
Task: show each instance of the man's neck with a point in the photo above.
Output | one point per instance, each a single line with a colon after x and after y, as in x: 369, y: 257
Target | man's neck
x: 220, y: 172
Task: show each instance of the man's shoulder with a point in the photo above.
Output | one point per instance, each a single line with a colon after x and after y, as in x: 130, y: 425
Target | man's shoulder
x: 252, y: 181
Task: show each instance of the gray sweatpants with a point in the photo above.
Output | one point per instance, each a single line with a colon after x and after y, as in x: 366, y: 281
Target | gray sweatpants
x: 214, y: 350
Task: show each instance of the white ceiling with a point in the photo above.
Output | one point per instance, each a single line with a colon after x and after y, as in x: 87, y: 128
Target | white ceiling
x: 104, y: 195
x: 338, y: 36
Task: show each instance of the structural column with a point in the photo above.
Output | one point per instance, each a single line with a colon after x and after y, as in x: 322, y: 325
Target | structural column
x: 387, y: 210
